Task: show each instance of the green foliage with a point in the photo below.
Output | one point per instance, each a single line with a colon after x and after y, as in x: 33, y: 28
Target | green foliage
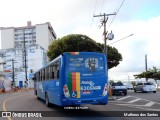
x: 119, y: 81
x: 82, y: 43
x: 133, y: 83
x: 152, y: 73
x: 111, y: 82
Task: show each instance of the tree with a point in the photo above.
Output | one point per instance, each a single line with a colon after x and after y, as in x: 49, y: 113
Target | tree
x: 133, y: 83
x: 111, y: 82
x: 119, y: 81
x: 152, y: 73
x: 78, y: 42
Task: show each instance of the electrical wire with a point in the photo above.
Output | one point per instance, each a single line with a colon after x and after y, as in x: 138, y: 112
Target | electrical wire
x: 116, y: 13
x: 93, y: 13
x: 122, y: 39
x: 102, y: 5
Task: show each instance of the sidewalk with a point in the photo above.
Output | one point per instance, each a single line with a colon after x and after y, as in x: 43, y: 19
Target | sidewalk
x: 15, y: 91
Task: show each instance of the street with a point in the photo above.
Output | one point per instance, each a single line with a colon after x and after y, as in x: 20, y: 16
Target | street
x: 26, y: 101
x: 144, y: 101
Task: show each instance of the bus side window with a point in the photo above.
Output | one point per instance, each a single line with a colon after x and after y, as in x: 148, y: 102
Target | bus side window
x: 52, y: 75
x: 38, y: 76
x: 49, y: 73
x: 43, y: 74
x: 52, y: 72
x: 41, y: 79
x: 55, y: 75
x: 57, y: 70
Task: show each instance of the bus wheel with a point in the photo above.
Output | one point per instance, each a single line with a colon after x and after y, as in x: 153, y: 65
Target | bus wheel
x: 47, y: 100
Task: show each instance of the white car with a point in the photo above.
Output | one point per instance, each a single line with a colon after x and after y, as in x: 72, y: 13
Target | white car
x: 118, y: 88
x: 129, y: 86
x: 145, y: 87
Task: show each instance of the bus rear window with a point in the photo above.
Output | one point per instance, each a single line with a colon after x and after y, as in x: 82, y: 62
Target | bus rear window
x: 85, y: 63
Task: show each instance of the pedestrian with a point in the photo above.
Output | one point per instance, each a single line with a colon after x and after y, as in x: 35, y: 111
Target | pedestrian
x: 3, y: 89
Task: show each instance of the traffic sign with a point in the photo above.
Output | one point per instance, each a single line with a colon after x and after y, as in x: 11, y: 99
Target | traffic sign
x: 31, y: 75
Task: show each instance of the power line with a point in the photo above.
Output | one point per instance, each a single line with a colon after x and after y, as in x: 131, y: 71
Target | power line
x: 93, y: 13
x: 102, y: 5
x: 122, y: 38
x: 116, y: 14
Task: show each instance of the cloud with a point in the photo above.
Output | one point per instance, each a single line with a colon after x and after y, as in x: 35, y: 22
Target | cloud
x: 145, y: 41
x: 76, y: 16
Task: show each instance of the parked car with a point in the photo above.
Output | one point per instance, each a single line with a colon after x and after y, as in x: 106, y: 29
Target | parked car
x: 145, y: 87
x: 118, y: 88
x: 129, y: 86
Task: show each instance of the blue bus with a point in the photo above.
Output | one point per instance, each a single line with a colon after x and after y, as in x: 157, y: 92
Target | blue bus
x: 73, y: 78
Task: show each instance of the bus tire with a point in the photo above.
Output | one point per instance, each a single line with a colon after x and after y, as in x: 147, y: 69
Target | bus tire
x: 47, y: 100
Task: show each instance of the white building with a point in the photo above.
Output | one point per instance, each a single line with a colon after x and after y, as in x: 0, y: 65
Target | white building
x: 13, y: 42
x: 1, y: 73
x: 13, y: 58
x: 1, y: 68
x: 41, y: 34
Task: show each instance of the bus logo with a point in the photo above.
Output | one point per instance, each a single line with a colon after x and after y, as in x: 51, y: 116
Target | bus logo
x: 74, y: 94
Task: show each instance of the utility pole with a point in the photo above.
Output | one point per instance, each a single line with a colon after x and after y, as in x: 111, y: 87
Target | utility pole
x: 25, y: 64
x: 104, y: 21
x: 146, y: 65
x: 13, y: 81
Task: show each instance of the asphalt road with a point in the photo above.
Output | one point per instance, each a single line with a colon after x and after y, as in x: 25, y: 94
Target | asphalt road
x: 26, y: 101
x: 144, y: 101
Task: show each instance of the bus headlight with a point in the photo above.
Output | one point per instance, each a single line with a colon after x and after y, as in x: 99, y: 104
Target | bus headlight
x: 66, y: 91
x: 105, y: 90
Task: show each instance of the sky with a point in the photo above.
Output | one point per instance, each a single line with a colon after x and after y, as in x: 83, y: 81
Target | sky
x: 141, y: 18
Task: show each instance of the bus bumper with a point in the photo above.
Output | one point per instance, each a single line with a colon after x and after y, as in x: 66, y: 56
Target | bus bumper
x: 95, y: 101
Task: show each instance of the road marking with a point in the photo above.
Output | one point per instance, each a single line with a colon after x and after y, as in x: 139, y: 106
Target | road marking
x: 149, y: 104
x: 139, y: 107
x: 135, y: 100
x: 124, y: 97
x: 5, y: 101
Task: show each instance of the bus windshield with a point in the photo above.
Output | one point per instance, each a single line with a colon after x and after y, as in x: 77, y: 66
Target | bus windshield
x: 87, y: 64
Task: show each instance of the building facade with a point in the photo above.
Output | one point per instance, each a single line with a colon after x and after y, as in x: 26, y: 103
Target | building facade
x: 14, y: 67
x: 24, y: 48
x: 41, y: 34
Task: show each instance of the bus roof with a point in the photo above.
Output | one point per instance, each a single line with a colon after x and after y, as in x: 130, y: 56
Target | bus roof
x: 71, y: 53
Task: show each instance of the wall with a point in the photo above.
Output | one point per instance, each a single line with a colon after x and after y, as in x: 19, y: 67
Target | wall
x: 7, y: 38
x: 42, y: 37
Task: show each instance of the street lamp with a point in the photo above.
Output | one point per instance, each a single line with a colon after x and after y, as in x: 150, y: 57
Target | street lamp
x: 110, y: 36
